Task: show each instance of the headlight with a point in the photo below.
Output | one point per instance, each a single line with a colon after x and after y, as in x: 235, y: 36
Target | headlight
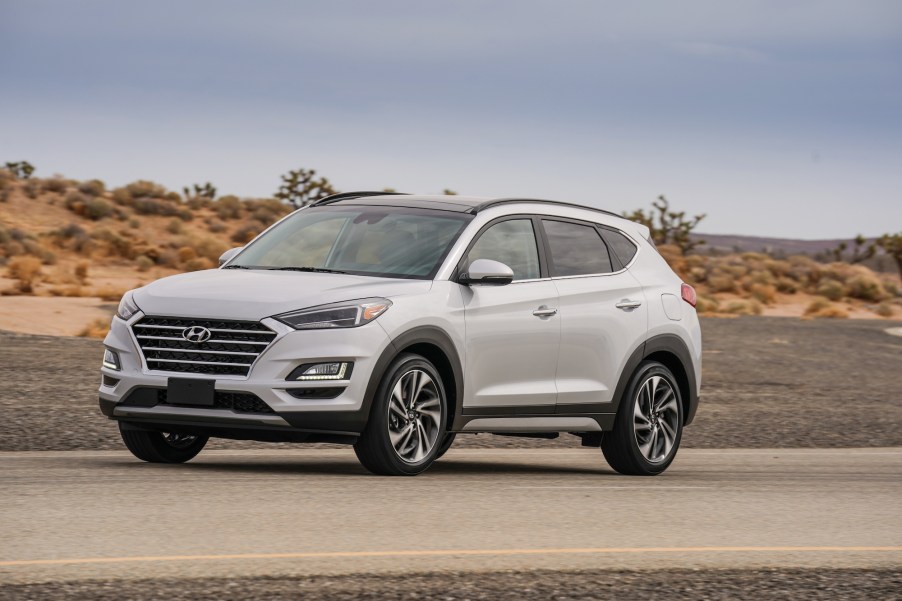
x: 127, y: 307
x: 339, y: 315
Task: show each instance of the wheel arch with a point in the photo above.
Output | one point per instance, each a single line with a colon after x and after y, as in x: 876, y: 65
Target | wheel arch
x: 433, y: 344
x: 671, y: 351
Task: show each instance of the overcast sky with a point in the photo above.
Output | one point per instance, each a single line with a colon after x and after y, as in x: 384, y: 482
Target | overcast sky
x: 778, y: 118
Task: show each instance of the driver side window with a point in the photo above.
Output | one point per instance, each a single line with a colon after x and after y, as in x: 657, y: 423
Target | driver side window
x: 512, y: 242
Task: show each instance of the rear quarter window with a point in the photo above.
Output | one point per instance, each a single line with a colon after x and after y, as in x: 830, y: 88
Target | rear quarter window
x: 620, y: 245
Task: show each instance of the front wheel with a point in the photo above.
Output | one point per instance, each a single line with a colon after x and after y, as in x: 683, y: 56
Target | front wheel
x: 161, y: 447
x: 649, y: 423
x: 407, y: 423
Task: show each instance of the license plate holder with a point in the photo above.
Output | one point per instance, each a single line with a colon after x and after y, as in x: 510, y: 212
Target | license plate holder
x: 192, y: 392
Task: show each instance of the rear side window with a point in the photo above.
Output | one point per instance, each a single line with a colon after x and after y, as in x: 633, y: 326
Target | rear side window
x: 620, y: 245
x: 575, y: 249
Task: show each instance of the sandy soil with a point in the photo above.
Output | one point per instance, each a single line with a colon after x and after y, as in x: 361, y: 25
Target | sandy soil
x: 52, y: 316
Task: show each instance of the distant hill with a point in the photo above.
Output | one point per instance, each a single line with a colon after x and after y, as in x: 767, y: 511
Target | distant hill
x: 788, y: 246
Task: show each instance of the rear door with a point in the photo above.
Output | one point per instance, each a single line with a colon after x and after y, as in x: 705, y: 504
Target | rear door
x: 603, y: 314
x: 512, y: 331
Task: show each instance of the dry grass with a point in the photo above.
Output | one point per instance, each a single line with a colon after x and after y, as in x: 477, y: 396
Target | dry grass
x: 96, y: 329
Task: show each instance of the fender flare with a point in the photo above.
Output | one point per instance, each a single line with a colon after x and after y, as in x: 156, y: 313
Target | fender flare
x: 676, y: 346
x: 418, y: 335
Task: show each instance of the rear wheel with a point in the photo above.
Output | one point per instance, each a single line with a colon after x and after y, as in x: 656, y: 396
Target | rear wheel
x: 161, y: 447
x: 649, y: 423
x: 406, y: 428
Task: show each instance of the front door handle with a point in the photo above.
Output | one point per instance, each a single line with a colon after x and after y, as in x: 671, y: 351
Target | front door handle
x: 628, y: 305
x: 544, y: 311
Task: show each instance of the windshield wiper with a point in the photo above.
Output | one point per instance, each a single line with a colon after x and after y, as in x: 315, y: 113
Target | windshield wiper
x: 309, y: 269
x: 236, y: 267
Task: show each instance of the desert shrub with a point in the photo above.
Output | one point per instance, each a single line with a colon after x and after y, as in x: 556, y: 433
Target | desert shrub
x: 885, y: 309
x: 93, y: 187
x: 96, y: 329
x: 186, y: 253
x: 98, y: 208
x: 707, y: 304
x: 196, y: 203
x: 721, y: 282
x: 156, y: 206
x: 891, y: 288
x: 31, y: 188
x: 831, y: 289
x: 228, y: 207
x: 26, y: 271
x: 209, y: 247
x: 764, y: 293
x: 121, y: 196
x: 134, y: 223
x: 109, y: 293
x: 56, y: 185
x: 185, y: 214
x: 73, y: 236
x: 216, y: 226
x: 81, y: 272
x: 247, y: 232
x: 787, y: 285
x: 198, y: 264
x: 173, y: 197
x: 821, y: 307
x: 174, y: 227
x: 267, y: 211
x: 866, y: 287
x: 167, y: 258
x: 116, y: 245
x: 744, y: 307
x: 145, y: 189
x: 143, y: 263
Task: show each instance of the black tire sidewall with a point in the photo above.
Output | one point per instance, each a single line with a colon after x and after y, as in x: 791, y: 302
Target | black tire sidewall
x: 625, y: 436
x: 377, y: 440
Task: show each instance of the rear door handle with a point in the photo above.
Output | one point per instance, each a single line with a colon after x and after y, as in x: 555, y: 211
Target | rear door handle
x: 627, y: 304
x: 544, y: 311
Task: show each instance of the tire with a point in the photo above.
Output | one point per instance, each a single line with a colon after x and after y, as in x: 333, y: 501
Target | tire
x: 645, y: 440
x: 160, y: 447
x: 446, y: 445
x: 403, y: 438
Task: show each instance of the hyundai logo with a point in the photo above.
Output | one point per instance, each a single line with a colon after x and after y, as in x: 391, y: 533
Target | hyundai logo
x: 196, y: 334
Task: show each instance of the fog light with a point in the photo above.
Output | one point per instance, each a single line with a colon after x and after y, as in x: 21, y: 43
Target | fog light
x: 111, y: 360
x: 334, y: 370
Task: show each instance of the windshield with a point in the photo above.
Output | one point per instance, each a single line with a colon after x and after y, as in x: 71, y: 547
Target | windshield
x: 377, y: 241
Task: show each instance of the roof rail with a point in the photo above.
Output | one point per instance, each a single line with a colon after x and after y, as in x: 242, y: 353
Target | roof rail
x: 499, y: 201
x: 346, y: 195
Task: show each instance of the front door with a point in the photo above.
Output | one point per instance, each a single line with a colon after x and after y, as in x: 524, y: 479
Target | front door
x: 512, y: 332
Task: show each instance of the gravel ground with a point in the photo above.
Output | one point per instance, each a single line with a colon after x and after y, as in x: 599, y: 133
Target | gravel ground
x: 665, y: 584
x: 767, y: 382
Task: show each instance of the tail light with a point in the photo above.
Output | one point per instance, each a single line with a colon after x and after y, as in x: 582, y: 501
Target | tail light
x: 688, y: 294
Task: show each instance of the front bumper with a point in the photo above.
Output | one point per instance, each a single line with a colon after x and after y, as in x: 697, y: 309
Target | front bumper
x: 345, y: 414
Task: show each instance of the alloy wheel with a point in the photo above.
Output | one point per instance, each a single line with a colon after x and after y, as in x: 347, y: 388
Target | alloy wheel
x: 414, y: 416
x: 656, y: 419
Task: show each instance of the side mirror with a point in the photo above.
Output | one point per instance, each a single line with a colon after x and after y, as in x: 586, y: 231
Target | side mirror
x: 229, y: 255
x: 488, y: 273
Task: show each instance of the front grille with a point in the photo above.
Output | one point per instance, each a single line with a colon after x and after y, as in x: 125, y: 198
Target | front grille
x: 231, y: 349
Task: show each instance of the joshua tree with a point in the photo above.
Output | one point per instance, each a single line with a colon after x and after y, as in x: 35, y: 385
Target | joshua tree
x: 22, y: 169
x: 668, y: 227
x: 861, y: 250
x: 301, y: 187
x: 208, y: 190
x: 892, y: 245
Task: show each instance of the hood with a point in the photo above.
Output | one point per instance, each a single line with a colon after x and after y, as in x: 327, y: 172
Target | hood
x: 253, y: 295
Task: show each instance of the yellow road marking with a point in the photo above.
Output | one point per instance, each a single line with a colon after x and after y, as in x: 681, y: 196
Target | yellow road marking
x: 446, y: 552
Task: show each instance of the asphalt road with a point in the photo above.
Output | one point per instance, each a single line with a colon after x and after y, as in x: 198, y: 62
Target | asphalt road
x: 231, y: 514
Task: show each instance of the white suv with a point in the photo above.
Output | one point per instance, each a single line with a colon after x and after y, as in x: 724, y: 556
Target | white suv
x: 394, y: 322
